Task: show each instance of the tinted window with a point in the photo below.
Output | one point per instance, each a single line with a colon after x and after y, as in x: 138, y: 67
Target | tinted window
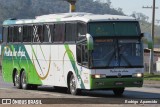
x: 59, y: 33
x: 71, y: 32
x: 127, y: 29
x: 37, y: 33
x: 17, y: 34
x: 114, y: 29
x: 11, y: 33
x: 82, y: 54
x: 48, y: 33
x: 79, y: 53
x: 102, y: 29
x: 27, y: 33
x: 82, y: 30
x: 5, y: 34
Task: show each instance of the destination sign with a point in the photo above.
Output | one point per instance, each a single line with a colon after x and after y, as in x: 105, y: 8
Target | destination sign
x: 104, y: 40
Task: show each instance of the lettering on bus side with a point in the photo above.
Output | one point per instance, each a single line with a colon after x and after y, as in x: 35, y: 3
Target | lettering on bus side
x: 19, y: 53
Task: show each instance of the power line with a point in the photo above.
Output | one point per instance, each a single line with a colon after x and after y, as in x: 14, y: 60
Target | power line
x: 149, y: 7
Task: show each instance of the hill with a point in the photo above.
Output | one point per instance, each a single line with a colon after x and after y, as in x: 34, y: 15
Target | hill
x: 31, y: 8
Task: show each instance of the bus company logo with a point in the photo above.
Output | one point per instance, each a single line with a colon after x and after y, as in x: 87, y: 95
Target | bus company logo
x: 119, y: 75
x: 9, y: 52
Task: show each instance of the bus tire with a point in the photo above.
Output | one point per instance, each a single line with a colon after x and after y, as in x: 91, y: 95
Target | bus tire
x: 118, y: 91
x: 33, y: 87
x: 17, y: 80
x: 73, y: 86
x: 24, y: 81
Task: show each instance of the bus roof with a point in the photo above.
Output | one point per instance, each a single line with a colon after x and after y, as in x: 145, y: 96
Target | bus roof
x: 76, y: 16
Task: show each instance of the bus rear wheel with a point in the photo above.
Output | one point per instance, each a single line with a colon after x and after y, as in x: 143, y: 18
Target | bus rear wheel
x: 73, y: 86
x: 24, y: 81
x: 17, y: 81
x: 118, y: 91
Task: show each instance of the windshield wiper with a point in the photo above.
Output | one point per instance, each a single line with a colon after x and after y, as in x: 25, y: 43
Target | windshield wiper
x: 125, y: 59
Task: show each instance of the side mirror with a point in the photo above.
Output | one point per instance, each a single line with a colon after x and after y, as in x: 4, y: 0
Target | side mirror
x: 149, y: 39
x: 89, y: 42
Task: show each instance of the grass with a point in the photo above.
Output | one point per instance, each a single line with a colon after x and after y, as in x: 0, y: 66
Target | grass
x: 155, y: 77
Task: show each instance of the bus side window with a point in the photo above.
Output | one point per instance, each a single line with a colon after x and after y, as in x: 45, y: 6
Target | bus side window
x: 27, y: 33
x: 82, y: 30
x: 79, y: 53
x: 48, y: 33
x: 11, y: 34
x: 17, y: 34
x: 37, y: 33
x: 71, y: 32
x: 5, y: 34
x: 59, y: 32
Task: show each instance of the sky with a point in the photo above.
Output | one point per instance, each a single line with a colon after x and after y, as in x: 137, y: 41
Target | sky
x: 129, y: 6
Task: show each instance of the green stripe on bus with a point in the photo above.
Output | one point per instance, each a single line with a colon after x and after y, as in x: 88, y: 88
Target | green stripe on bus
x: 73, y: 62
x: 36, y: 58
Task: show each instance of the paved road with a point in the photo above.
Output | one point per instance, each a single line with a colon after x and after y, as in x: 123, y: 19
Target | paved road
x: 7, y: 90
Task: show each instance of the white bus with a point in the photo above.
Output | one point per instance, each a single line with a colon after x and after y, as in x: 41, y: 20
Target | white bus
x: 73, y: 50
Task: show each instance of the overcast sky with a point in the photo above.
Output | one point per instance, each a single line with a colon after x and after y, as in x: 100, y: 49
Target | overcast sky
x: 129, y: 6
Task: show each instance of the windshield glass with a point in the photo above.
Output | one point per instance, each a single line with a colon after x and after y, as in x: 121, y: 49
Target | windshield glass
x: 100, y: 29
x: 117, y: 53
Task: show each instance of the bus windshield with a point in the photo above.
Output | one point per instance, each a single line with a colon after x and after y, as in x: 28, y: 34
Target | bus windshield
x: 103, y: 29
x: 117, y: 53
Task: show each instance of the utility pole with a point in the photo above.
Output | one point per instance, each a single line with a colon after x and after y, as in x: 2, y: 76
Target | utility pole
x: 152, y: 33
x: 152, y: 49
x: 72, y: 5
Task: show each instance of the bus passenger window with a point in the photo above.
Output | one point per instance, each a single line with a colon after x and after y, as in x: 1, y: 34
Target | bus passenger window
x: 11, y: 34
x: 27, y: 33
x: 59, y: 33
x: 48, y: 33
x: 37, y: 33
x: 17, y: 34
x: 5, y: 34
x: 71, y: 32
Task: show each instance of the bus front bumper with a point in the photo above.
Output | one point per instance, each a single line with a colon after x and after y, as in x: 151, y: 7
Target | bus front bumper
x: 115, y: 83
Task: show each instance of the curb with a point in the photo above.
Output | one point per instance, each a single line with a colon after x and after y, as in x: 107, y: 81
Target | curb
x: 151, y: 86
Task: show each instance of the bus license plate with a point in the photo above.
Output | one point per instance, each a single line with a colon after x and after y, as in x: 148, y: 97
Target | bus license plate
x: 119, y: 83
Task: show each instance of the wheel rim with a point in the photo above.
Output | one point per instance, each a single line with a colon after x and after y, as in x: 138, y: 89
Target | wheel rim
x: 23, y: 80
x: 16, y: 79
x: 72, y: 85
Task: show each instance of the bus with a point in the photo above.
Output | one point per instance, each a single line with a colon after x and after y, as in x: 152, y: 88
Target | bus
x: 78, y: 51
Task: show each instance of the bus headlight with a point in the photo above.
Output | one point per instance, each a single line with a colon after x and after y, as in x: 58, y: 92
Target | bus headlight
x: 99, y: 76
x: 138, y: 75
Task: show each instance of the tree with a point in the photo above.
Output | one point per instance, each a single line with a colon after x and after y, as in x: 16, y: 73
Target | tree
x: 140, y: 16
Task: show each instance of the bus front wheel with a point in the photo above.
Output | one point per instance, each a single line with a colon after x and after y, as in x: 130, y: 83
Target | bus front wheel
x: 118, y: 91
x: 73, y: 86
